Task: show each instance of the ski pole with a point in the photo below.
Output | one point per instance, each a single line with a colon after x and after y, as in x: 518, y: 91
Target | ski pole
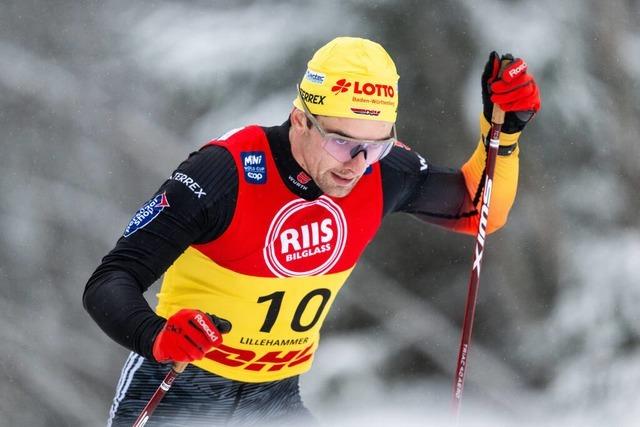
x: 497, y: 119
x: 176, y: 370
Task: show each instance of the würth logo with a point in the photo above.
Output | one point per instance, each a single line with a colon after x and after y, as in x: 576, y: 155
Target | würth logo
x: 341, y: 85
x: 303, y: 178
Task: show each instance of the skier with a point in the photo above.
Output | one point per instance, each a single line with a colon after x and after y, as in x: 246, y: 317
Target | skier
x: 257, y: 231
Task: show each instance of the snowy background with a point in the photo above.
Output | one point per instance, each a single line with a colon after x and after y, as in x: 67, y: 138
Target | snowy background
x: 99, y: 101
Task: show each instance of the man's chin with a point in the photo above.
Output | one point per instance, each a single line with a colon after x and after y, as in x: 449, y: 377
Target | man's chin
x: 335, y: 189
x: 338, y: 190
x: 338, y: 193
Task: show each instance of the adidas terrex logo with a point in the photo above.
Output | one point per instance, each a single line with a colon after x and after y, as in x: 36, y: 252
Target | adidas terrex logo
x: 365, y: 88
x: 312, y: 98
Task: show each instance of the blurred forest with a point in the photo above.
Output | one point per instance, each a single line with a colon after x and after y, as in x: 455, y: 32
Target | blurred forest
x: 100, y: 101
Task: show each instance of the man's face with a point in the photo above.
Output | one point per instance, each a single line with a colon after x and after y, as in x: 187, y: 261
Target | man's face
x: 335, y: 178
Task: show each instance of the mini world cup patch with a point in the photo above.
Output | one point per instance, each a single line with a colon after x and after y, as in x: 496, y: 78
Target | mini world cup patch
x: 254, y: 164
x: 147, y: 213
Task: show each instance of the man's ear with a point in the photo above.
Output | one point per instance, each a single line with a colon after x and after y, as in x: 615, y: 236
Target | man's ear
x: 298, y: 119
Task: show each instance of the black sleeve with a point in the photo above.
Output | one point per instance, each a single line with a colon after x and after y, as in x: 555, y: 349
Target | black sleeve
x: 433, y: 194
x: 194, y: 205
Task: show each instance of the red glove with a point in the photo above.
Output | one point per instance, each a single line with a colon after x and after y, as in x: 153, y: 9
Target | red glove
x: 188, y: 335
x: 514, y: 90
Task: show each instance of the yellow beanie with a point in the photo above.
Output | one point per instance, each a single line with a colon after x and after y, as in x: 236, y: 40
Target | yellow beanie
x: 351, y: 77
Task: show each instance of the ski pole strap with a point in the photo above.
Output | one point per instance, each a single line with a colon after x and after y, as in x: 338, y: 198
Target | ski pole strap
x: 503, y: 150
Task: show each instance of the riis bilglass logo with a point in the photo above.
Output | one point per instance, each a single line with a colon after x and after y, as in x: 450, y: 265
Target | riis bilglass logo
x: 305, y: 238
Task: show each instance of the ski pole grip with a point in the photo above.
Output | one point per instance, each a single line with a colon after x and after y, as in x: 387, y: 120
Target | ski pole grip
x: 179, y: 367
x: 497, y: 115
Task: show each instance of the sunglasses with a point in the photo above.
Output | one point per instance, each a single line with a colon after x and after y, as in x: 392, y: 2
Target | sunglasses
x: 342, y: 148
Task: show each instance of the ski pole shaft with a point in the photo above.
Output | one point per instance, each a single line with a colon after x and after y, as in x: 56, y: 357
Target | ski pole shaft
x: 176, y: 370
x: 497, y: 119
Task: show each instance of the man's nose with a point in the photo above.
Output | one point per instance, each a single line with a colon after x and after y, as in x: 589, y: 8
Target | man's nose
x: 358, y: 163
